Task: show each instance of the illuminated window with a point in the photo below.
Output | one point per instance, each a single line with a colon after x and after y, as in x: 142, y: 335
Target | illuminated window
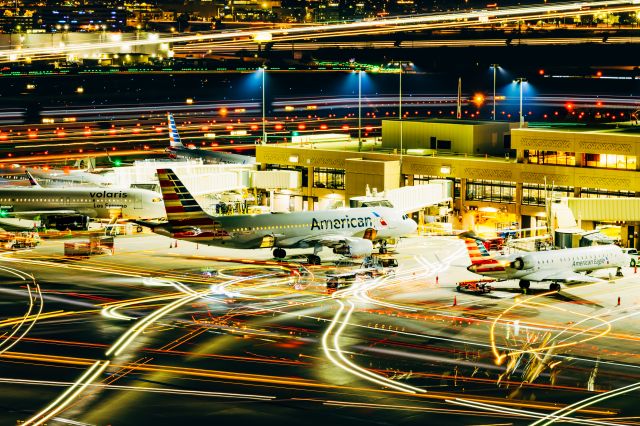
x: 604, y: 193
x: 558, y: 158
x: 328, y: 178
x: 610, y: 161
x: 491, y: 190
x: 534, y: 194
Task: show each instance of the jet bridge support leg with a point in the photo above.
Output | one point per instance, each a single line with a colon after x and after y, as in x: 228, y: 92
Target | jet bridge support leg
x: 111, y: 229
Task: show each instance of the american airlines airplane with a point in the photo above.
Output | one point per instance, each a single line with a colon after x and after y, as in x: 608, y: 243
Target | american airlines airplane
x: 178, y: 150
x: 95, y: 202
x: 350, y: 232
x: 557, y: 266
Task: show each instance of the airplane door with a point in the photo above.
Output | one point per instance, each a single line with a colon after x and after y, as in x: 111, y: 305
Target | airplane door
x: 370, y: 234
x: 137, y: 203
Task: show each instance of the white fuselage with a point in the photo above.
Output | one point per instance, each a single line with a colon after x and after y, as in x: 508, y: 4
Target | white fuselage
x: 581, y: 259
x: 300, y: 229
x: 100, y: 203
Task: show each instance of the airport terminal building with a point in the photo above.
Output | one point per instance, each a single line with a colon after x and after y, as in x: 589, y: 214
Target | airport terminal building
x: 498, y: 171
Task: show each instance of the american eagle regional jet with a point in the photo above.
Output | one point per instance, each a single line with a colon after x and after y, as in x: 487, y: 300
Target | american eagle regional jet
x: 557, y: 266
x: 350, y: 232
x: 178, y: 150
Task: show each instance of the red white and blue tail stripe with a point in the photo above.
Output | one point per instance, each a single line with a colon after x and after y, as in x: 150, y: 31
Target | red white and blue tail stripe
x: 182, y: 209
x: 481, y: 260
x: 174, y: 137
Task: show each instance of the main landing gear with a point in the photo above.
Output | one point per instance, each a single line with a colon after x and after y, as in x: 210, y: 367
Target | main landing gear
x: 524, y: 285
x: 383, y: 247
x: 280, y: 254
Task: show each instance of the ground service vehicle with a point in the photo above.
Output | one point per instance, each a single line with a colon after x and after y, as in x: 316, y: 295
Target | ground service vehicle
x: 475, y: 286
x: 338, y: 281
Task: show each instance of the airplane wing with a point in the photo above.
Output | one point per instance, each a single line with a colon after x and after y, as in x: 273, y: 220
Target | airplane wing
x: 327, y: 240
x: 557, y: 275
x: 355, y: 246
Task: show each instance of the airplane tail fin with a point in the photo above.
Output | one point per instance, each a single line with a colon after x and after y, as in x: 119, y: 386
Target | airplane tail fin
x: 32, y: 180
x: 182, y: 209
x: 477, y: 251
x: 174, y: 136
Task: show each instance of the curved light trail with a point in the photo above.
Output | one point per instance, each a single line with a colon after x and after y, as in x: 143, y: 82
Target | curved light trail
x: 21, y: 328
x: 378, y: 25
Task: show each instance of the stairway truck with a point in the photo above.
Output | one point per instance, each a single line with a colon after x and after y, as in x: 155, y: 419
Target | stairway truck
x: 64, y: 222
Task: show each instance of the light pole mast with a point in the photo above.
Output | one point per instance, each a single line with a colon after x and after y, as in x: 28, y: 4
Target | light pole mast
x: 495, y: 68
x: 400, y: 109
x: 521, y: 81
x: 360, y: 110
x: 264, y: 108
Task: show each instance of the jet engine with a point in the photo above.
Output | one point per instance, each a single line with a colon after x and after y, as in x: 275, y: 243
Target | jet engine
x: 355, y: 248
x: 521, y: 263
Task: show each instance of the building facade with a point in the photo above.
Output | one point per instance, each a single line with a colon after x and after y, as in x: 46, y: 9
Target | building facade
x: 583, y: 164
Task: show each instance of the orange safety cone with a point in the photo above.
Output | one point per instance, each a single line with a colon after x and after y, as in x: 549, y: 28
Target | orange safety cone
x: 437, y: 280
x: 176, y: 243
x: 455, y: 300
x: 635, y: 269
x: 618, y: 300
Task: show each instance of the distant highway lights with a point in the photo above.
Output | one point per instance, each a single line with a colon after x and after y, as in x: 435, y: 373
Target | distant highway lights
x: 495, y: 69
x: 521, y: 81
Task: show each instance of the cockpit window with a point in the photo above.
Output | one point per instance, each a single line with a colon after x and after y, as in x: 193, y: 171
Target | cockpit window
x: 405, y: 217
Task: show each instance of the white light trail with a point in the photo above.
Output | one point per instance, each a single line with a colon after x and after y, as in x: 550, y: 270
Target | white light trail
x: 69, y: 395
x: 463, y: 18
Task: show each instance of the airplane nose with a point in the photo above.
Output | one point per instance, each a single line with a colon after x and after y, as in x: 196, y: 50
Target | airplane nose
x: 412, y: 226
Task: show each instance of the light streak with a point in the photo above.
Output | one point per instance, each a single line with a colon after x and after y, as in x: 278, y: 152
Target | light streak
x: 10, y: 341
x: 522, y: 413
x: 130, y: 335
x: 69, y: 395
x: 178, y: 391
x: 347, y: 365
x: 386, y: 24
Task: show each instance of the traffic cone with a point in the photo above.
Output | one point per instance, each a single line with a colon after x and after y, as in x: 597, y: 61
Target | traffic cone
x: 437, y: 280
x: 455, y: 301
x: 618, y: 300
x: 635, y: 269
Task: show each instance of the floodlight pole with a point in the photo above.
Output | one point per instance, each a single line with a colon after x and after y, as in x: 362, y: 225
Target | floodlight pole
x: 264, y: 122
x: 360, y: 110
x: 495, y: 68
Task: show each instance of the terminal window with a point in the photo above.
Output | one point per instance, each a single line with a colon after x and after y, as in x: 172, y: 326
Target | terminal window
x: 491, y: 190
x: 425, y: 179
x: 559, y: 158
x: 304, y: 172
x: 604, y: 193
x: 328, y: 178
x: 535, y: 194
x: 610, y: 161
